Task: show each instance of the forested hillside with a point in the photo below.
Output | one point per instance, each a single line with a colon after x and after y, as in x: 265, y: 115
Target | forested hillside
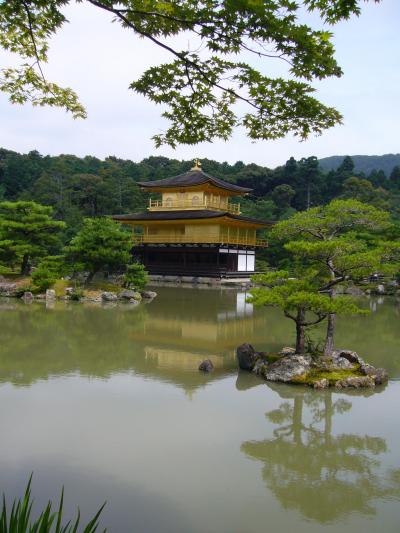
x: 363, y: 163
x: 86, y: 187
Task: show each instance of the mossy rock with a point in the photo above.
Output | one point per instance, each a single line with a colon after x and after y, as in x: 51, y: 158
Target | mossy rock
x: 271, y: 357
x: 343, y: 369
x: 332, y: 376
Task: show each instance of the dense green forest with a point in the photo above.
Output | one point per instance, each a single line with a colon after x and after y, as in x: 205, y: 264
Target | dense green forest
x: 50, y: 206
x: 85, y: 187
x: 363, y: 163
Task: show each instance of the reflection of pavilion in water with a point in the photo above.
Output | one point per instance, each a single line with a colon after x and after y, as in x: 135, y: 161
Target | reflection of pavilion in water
x: 182, y: 337
x: 164, y: 340
x: 325, y: 476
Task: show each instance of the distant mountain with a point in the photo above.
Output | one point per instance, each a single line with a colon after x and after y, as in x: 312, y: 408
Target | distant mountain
x: 364, y: 163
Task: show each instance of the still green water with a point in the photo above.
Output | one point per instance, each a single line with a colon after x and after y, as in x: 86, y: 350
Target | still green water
x: 108, y: 402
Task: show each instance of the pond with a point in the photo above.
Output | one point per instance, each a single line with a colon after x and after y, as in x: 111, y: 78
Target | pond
x: 108, y: 402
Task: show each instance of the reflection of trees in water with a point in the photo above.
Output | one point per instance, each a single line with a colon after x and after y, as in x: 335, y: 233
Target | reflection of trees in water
x: 97, y: 341
x: 324, y: 476
x: 166, y: 339
x: 36, y: 343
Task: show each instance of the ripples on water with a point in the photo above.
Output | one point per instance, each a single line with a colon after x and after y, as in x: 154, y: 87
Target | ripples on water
x: 108, y: 401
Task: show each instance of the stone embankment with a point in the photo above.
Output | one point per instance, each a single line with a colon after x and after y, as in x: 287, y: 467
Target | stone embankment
x: 199, y: 281
x: 343, y: 369
x: 125, y: 296
x: 382, y: 288
x: 14, y: 290
x: 8, y: 289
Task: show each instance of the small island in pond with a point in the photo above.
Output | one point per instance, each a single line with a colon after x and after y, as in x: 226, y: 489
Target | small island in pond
x: 343, y: 369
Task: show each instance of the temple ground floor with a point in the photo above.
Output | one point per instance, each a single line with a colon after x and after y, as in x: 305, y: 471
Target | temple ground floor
x: 214, y: 261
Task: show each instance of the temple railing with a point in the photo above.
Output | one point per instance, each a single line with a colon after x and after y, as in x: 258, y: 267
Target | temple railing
x: 199, y: 239
x: 207, y: 203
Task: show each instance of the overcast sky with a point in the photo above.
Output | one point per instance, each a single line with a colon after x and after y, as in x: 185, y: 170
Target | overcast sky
x: 98, y: 59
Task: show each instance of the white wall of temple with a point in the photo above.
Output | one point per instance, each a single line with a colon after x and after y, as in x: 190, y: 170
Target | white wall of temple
x: 246, y: 259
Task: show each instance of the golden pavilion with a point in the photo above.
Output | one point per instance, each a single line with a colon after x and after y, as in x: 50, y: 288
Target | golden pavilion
x: 195, y: 229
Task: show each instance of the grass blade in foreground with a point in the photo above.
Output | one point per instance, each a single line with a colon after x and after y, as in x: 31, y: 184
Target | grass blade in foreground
x: 19, y: 520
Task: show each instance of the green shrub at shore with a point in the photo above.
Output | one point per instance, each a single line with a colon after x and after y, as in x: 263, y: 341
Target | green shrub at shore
x: 136, y: 276
x: 101, y: 244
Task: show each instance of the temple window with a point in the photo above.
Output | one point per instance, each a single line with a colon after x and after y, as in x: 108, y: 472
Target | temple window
x: 196, y: 200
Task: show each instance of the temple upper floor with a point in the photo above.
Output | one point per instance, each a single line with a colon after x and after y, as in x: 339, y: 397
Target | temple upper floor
x: 194, y: 190
x: 194, y: 200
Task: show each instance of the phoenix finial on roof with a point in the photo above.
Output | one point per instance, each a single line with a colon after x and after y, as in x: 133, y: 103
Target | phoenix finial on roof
x: 197, y: 165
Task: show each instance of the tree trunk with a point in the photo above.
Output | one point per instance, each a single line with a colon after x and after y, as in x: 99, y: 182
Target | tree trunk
x: 328, y: 418
x: 330, y: 331
x: 300, y: 331
x: 297, y: 419
x: 330, y: 328
x: 25, y: 265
